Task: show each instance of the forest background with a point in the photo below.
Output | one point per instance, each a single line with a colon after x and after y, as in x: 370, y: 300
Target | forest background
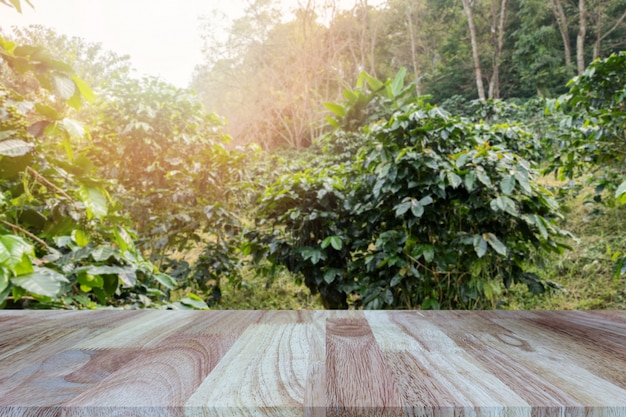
x: 394, y: 156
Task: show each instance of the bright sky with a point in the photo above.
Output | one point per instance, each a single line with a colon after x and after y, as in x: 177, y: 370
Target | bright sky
x: 161, y: 36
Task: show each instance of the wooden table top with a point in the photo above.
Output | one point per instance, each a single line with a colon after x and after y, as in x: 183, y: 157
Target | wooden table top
x: 312, y: 363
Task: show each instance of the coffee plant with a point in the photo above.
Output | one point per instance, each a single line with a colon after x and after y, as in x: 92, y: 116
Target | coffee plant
x: 433, y: 212
x: 62, y: 242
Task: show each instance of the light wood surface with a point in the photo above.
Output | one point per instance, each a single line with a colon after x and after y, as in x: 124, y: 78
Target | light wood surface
x: 312, y: 363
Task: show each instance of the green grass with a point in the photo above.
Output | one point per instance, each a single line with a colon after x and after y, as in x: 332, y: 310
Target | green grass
x: 279, y: 292
x: 585, y: 274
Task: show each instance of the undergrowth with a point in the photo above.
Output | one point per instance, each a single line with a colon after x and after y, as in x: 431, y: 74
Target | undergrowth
x: 585, y: 274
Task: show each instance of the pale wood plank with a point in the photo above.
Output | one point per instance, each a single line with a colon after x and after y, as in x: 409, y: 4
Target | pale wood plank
x: 161, y: 379
x: 225, y: 323
x: 494, y: 348
x: 459, y: 372
x: 145, y: 330
x: 263, y: 374
x: 564, y: 364
x: 358, y: 381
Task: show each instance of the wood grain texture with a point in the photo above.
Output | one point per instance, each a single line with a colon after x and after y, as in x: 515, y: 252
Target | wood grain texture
x: 312, y: 363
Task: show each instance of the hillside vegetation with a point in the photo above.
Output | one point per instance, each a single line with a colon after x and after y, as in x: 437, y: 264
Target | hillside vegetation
x: 362, y: 183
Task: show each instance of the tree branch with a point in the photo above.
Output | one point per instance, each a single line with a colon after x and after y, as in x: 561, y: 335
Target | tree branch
x: 615, y: 26
x: 17, y: 228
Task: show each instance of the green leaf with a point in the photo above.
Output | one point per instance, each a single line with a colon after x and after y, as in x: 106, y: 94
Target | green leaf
x: 103, y: 270
x: 332, y: 122
x: 123, y: 239
x: 128, y: 276
x: 430, y: 304
x: 470, y: 180
x: 374, y: 83
x: 41, y: 281
x: 426, y: 201
x: 338, y: 109
x: 85, y: 90
x: 94, y: 200
x: 504, y: 203
x: 165, y: 280
x: 480, y: 246
x: 620, y: 193
x: 330, y: 275
x: 4, y: 280
x: 336, y: 243
x: 428, y: 251
x: 402, y: 208
x: 194, y: 301
x: 80, y: 238
x: 349, y: 95
x: 483, y: 177
x: 48, y: 112
x: 539, y: 222
x: 76, y: 102
x: 388, y: 297
x: 522, y: 179
x: 103, y: 253
x: 454, y: 180
x: 396, y: 280
x: 91, y: 281
x: 15, y: 254
x: 74, y: 129
x: 64, y: 87
x: 507, y: 185
x: 312, y: 254
x: 417, y: 208
x: 461, y: 159
x: 495, y: 243
x: 15, y: 147
x: 398, y: 82
x: 17, y: 5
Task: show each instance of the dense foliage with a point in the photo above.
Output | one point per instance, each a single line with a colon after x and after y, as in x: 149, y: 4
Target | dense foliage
x: 134, y: 197
x: 62, y: 242
x: 432, y: 212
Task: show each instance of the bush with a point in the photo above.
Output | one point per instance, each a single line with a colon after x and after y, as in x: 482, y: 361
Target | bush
x: 430, y: 214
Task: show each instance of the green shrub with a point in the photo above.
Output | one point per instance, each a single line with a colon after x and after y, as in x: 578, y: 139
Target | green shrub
x: 430, y: 214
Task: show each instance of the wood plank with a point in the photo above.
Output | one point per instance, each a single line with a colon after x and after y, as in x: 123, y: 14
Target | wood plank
x: 569, y: 367
x: 264, y: 373
x: 144, y: 331
x: 358, y: 381
x: 313, y: 363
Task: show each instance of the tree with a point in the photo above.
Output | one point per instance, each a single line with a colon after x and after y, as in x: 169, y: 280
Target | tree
x: 467, y: 8
x: 497, y: 29
x: 580, y: 38
x: 95, y: 65
x: 587, y: 12
x: 562, y: 22
x: 603, y: 25
x: 537, y: 56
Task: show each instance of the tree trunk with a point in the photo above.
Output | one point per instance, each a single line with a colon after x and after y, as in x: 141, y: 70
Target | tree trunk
x: 561, y: 20
x: 494, y: 84
x: 580, y: 38
x: 416, y: 68
x: 470, y: 21
x: 600, y: 37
